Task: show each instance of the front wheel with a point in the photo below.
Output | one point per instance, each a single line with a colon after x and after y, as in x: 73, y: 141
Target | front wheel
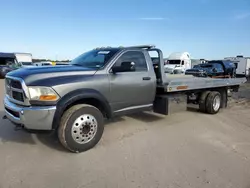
x: 81, y: 128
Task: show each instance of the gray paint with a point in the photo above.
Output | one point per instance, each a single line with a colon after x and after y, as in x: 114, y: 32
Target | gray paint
x: 122, y: 90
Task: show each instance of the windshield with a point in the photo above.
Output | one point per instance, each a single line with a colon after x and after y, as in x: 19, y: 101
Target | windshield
x: 27, y: 63
x: 174, y: 62
x: 196, y: 66
x: 94, y: 58
x: 206, y: 65
x: 7, y: 61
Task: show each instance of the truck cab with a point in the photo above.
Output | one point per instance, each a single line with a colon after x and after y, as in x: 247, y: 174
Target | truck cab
x: 178, y: 62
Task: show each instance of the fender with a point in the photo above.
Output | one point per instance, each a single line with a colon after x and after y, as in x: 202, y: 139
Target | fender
x: 76, y: 95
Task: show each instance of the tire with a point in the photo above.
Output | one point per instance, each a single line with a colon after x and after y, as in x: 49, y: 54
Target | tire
x: 81, y: 128
x: 202, y: 101
x: 212, y: 106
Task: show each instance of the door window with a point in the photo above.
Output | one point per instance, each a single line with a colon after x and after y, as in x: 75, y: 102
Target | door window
x: 218, y: 67
x: 135, y: 57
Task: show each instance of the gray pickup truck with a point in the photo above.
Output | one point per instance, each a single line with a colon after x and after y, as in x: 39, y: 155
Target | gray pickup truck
x: 102, y: 83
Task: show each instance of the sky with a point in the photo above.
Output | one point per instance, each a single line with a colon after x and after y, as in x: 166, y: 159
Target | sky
x: 63, y: 29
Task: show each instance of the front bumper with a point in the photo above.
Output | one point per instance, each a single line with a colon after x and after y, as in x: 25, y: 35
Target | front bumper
x: 32, y: 117
x: 169, y: 70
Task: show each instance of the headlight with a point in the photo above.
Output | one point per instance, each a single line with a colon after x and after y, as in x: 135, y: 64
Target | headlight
x: 42, y: 94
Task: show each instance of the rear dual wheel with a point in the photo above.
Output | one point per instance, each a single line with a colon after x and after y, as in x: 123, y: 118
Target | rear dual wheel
x: 210, y: 102
x: 81, y: 128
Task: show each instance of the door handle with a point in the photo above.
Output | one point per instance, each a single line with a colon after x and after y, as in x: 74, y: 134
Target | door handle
x: 146, y: 78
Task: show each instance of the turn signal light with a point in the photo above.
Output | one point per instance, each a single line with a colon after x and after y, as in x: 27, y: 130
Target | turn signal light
x: 48, y: 97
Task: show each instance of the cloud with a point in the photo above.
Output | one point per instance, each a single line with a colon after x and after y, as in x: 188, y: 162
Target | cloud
x: 153, y: 18
x: 242, y: 16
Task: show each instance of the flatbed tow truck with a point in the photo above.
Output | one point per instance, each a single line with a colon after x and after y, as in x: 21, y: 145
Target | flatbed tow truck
x: 102, y: 83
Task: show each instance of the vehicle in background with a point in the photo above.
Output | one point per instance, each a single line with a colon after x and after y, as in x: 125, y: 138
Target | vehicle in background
x: 100, y: 84
x: 242, y: 65
x: 62, y: 63
x: 23, y: 57
x: 43, y: 63
x: 48, y: 63
x: 26, y: 64
x: 178, y: 63
x: 13, y: 61
x: 197, y: 62
x: 214, y: 69
x: 8, y: 62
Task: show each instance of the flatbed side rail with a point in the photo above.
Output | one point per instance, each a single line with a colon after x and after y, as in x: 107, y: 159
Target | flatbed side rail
x: 201, y: 83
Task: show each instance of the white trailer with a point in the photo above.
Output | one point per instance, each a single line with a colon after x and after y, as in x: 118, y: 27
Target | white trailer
x: 242, y: 65
x: 43, y: 63
x: 178, y: 62
x: 23, y: 57
x: 197, y: 62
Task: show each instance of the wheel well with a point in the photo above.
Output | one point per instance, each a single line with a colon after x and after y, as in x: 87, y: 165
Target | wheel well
x: 91, y: 101
x: 198, y: 94
x: 223, y: 92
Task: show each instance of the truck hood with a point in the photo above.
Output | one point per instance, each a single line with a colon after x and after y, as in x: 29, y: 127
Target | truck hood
x: 38, y: 75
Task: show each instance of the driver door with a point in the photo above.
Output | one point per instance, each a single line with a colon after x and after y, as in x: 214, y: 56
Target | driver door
x: 132, y: 89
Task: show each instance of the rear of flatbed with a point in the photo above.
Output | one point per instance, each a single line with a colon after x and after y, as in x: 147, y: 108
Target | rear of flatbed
x: 208, y: 94
x: 198, y: 83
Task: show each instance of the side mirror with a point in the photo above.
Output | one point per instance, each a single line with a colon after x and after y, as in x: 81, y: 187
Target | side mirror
x: 214, y: 70
x: 125, y: 67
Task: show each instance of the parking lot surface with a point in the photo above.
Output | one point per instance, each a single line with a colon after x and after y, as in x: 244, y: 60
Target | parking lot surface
x: 187, y: 149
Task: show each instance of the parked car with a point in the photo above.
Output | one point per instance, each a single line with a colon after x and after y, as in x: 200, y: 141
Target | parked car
x: 8, y: 63
x: 215, y: 69
x: 26, y: 64
x: 43, y: 63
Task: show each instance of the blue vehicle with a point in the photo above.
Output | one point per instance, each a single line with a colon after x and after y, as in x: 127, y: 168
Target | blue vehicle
x: 214, y: 69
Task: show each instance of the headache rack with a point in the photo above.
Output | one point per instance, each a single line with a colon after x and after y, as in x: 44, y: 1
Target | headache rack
x: 137, y: 46
x: 142, y: 46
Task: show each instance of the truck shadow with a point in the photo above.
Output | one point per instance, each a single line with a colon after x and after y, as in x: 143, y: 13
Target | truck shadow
x: 8, y: 133
x: 147, y: 117
x: 50, y: 140
x: 193, y: 109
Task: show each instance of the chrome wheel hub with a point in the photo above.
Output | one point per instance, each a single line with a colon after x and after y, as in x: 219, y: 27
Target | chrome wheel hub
x: 216, y: 103
x: 84, y: 129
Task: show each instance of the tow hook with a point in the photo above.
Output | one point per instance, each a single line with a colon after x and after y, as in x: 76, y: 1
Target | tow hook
x: 4, y: 117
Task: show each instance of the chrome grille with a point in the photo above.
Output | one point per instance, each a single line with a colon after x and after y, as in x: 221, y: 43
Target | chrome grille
x: 15, y: 91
